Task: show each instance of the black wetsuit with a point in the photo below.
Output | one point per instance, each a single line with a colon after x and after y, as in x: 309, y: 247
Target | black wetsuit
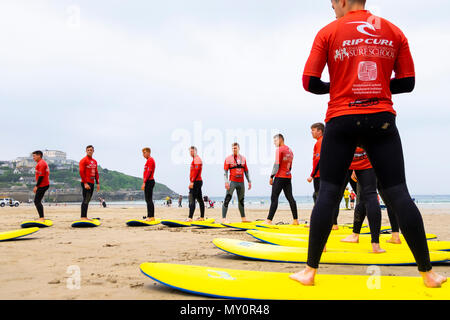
x: 87, y: 195
x: 377, y: 133
x: 148, y: 192
x: 40, y: 192
x: 196, y: 194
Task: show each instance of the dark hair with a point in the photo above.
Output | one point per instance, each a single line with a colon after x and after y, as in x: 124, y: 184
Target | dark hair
x: 319, y: 125
x: 90, y: 146
x: 192, y: 147
x: 235, y: 144
x: 38, y: 153
x: 279, y: 136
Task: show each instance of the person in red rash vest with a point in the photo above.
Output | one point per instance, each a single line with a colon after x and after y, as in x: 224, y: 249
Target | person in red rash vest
x: 89, y: 176
x: 362, y: 51
x: 195, y: 185
x: 42, y: 174
x: 317, y: 133
x: 149, y: 183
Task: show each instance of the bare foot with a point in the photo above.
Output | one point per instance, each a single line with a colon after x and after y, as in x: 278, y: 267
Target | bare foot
x: 395, y: 239
x: 86, y: 219
x: 305, y: 277
x: 41, y: 219
x: 325, y: 248
x: 295, y: 223
x: 201, y: 219
x: 225, y: 221
x: 377, y: 249
x: 353, y: 238
x: 268, y: 222
x: 245, y: 221
x: 432, y: 279
x: 150, y: 219
x: 335, y: 227
x: 188, y: 220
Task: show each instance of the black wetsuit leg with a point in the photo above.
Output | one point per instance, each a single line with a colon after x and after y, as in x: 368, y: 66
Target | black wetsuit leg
x: 287, y: 190
x: 148, y: 191
x: 87, y: 195
x: 40, y: 192
x: 277, y: 187
x: 195, y: 194
x: 316, y: 182
x: 391, y: 215
x: 368, y: 193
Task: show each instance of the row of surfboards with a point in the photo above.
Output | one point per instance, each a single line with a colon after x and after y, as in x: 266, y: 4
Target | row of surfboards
x: 288, y: 243
x: 32, y: 226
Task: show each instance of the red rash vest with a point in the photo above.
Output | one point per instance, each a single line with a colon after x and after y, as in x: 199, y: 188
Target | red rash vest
x: 237, y: 166
x: 361, y: 51
x: 284, y: 157
x: 42, y: 170
x: 196, y: 169
x: 315, y: 173
x: 88, y: 170
x: 149, y: 169
x: 360, y: 160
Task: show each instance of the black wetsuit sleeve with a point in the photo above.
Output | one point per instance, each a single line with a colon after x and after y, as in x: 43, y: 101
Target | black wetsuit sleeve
x: 315, y: 85
x: 402, y: 85
x: 40, y: 179
x: 275, y: 169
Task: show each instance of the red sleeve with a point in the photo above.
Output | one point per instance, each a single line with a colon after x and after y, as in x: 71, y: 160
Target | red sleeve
x: 318, y: 56
x: 277, y: 156
x: 316, y: 158
x: 245, y: 166
x: 82, y: 167
x: 404, y: 64
x: 226, y: 165
x: 97, y: 177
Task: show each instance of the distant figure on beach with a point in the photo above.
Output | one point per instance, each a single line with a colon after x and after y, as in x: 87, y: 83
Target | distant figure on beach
x: 180, y: 201
x: 317, y: 133
x: 283, y: 176
x: 195, y: 185
x: 236, y: 164
x: 102, y: 202
x: 89, y: 176
x: 149, y: 182
x: 352, y: 199
x: 42, y: 173
x: 346, y: 197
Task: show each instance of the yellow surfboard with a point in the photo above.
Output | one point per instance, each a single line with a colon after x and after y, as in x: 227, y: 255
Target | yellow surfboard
x: 15, y: 234
x: 242, y: 225
x: 86, y: 223
x: 268, y: 252
x: 142, y: 223
x: 180, y: 223
x: 242, y: 284
x: 292, y: 240
x: 207, y: 225
x: 36, y: 223
x: 302, y: 228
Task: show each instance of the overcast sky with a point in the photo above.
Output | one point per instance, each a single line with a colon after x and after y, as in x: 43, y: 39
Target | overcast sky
x: 122, y: 75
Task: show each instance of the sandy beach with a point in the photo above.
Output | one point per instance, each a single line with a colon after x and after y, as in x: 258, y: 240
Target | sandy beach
x: 36, y: 267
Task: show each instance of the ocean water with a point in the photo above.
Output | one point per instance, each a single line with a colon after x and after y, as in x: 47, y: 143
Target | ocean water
x: 303, y: 202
